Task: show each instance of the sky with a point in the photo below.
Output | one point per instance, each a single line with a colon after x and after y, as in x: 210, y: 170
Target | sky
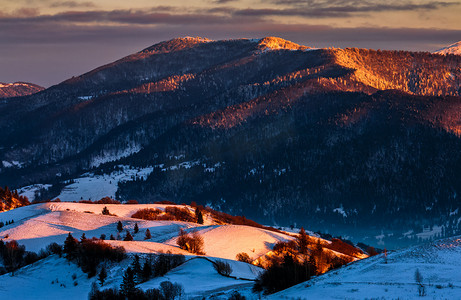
x: 48, y: 41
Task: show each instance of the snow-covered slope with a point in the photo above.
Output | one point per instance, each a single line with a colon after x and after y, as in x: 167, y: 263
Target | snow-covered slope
x: 36, y: 226
x: 439, y: 264
x: 199, y: 278
x: 452, y: 49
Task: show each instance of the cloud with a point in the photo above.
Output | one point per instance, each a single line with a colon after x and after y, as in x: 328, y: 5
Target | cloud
x: 72, y: 4
x: 223, y: 1
x: 160, y: 15
x: 339, y: 8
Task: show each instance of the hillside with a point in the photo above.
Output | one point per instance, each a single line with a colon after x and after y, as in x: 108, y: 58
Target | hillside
x: 451, y: 49
x: 37, y: 226
x: 437, y: 262
x: 18, y: 89
x: 342, y: 140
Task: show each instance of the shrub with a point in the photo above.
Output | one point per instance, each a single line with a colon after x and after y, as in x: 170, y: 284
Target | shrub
x: 132, y: 202
x: 236, y: 296
x: 148, y: 236
x: 192, y: 243
x: 147, y: 214
x: 244, y: 257
x: 281, y: 247
x: 107, y: 200
x: 105, y: 211
x: 54, y: 248
x: 171, y: 213
x: 222, y: 267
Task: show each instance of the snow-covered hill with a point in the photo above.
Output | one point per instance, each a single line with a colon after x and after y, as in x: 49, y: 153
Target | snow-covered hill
x: 36, y: 226
x: 451, y: 49
x: 374, y: 278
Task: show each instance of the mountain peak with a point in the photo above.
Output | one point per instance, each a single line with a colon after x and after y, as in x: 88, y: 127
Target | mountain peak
x: 451, y: 49
x: 276, y: 43
x: 175, y: 44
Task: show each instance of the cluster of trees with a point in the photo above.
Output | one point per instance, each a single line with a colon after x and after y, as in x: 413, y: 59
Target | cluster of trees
x: 167, y: 291
x: 153, y: 266
x: 15, y: 256
x: 89, y: 253
x: 11, y: 199
x: 6, y: 223
x: 296, y: 261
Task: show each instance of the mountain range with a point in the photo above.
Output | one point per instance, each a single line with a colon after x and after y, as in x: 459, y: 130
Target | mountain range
x: 355, y: 142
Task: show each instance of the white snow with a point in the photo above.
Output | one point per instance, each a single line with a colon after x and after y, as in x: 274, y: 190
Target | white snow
x: 451, y: 49
x: 121, y: 153
x: 438, y: 262
x: 29, y: 191
x: 95, y: 187
x: 199, y: 278
x: 50, y: 278
x: 11, y: 164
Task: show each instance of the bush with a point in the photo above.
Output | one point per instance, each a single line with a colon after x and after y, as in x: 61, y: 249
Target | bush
x: 243, y: 257
x: 148, y: 236
x: 107, y: 200
x: 236, y: 296
x: 192, y: 243
x: 54, y: 248
x: 171, y: 213
x: 105, y: 211
x: 222, y: 268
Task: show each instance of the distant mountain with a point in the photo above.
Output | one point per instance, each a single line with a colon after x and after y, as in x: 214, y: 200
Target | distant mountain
x: 452, y: 49
x: 350, y: 141
x: 18, y: 89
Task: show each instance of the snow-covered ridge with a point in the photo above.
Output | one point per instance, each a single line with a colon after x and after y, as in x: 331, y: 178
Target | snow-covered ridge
x: 451, y: 49
x: 14, y: 84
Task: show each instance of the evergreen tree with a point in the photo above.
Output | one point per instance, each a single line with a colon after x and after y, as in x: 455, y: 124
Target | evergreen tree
x: 83, y: 237
x: 128, y: 236
x: 119, y: 226
x: 146, y: 270
x: 136, y: 228
x: 148, y: 235
x: 303, y: 241
x: 112, y: 237
x: 128, y: 286
x: 136, y: 266
x: 199, y: 215
x: 102, y: 276
x: 70, y: 245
